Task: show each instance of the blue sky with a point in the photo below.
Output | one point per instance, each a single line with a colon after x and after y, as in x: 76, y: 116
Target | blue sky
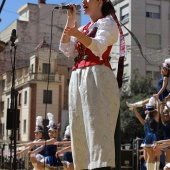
x: 9, y: 12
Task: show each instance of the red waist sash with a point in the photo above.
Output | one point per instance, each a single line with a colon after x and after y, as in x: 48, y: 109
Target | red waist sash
x: 89, y: 59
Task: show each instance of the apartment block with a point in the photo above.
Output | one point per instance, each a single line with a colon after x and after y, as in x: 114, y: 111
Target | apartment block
x: 149, y: 21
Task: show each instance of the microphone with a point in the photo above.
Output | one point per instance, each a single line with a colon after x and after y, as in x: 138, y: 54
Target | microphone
x: 13, y: 37
x: 78, y: 7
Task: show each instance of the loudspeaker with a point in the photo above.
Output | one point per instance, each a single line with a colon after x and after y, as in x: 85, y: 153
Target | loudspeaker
x: 45, y: 132
x: 126, y: 158
x: 10, y: 118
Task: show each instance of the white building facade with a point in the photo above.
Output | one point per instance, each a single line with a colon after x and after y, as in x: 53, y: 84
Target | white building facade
x: 31, y: 83
x: 34, y: 24
x: 149, y: 20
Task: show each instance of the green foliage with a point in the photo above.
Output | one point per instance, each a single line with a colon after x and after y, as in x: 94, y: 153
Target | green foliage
x: 140, y: 89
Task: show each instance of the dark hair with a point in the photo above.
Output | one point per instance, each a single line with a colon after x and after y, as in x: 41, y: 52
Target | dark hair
x: 151, y: 115
x: 107, y: 8
x: 167, y: 72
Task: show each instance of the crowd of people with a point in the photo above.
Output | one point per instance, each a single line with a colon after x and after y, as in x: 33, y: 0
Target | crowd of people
x: 156, y: 108
x: 44, y: 153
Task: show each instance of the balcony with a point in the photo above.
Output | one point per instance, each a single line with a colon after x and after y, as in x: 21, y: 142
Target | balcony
x: 44, y: 77
x: 24, y: 79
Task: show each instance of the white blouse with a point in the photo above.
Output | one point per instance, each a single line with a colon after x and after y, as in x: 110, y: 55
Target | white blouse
x: 106, y: 35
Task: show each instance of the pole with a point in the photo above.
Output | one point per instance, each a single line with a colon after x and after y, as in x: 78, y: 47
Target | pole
x: 15, y: 129
x: 2, y: 4
x: 13, y: 105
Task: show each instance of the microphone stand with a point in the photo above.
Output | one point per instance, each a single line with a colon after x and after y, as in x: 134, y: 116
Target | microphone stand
x: 2, y: 4
x: 13, y: 106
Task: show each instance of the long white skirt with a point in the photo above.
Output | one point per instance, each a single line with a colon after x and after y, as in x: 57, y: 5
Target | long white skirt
x: 94, y: 103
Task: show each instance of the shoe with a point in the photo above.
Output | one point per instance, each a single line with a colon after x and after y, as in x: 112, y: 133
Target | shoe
x: 131, y: 106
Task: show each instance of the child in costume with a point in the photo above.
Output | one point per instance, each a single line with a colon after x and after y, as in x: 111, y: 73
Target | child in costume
x: 162, y: 91
x: 67, y: 153
x: 150, y: 124
x: 48, y: 160
x: 38, y: 137
x: 165, y: 118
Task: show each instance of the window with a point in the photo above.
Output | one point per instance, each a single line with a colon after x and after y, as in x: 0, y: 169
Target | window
x: 7, y: 103
x: 3, y: 129
x: 149, y: 74
x: 124, y: 12
x: 153, y: 41
x: 155, y: 75
x: 45, y: 68
x: 25, y: 125
x: 47, y: 97
x: 2, y: 107
x: 19, y: 99
x: 1, y: 86
x: 25, y: 97
x: 32, y: 68
x: 153, y: 11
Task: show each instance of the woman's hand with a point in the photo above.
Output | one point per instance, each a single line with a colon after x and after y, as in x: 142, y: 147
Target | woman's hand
x: 71, y: 16
x: 73, y: 31
x: 71, y: 13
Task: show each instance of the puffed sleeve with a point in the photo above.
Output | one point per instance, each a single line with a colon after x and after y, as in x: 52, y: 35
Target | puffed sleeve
x: 106, y: 35
x: 68, y: 49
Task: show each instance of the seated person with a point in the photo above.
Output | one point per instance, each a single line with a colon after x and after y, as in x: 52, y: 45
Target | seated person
x: 48, y: 159
x: 68, y: 160
x: 38, y: 137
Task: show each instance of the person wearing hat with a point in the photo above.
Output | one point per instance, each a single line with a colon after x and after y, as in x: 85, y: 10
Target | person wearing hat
x: 67, y: 152
x: 49, y: 148
x: 38, y: 137
x: 162, y: 91
x: 164, y: 145
x: 165, y: 118
x: 150, y: 124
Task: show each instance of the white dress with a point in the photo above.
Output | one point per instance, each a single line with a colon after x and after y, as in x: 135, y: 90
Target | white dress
x: 93, y: 103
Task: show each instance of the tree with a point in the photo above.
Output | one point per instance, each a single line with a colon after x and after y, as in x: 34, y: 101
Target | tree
x: 140, y: 88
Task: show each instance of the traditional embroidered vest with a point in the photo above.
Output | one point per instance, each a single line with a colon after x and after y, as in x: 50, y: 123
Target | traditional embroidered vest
x: 85, y: 56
